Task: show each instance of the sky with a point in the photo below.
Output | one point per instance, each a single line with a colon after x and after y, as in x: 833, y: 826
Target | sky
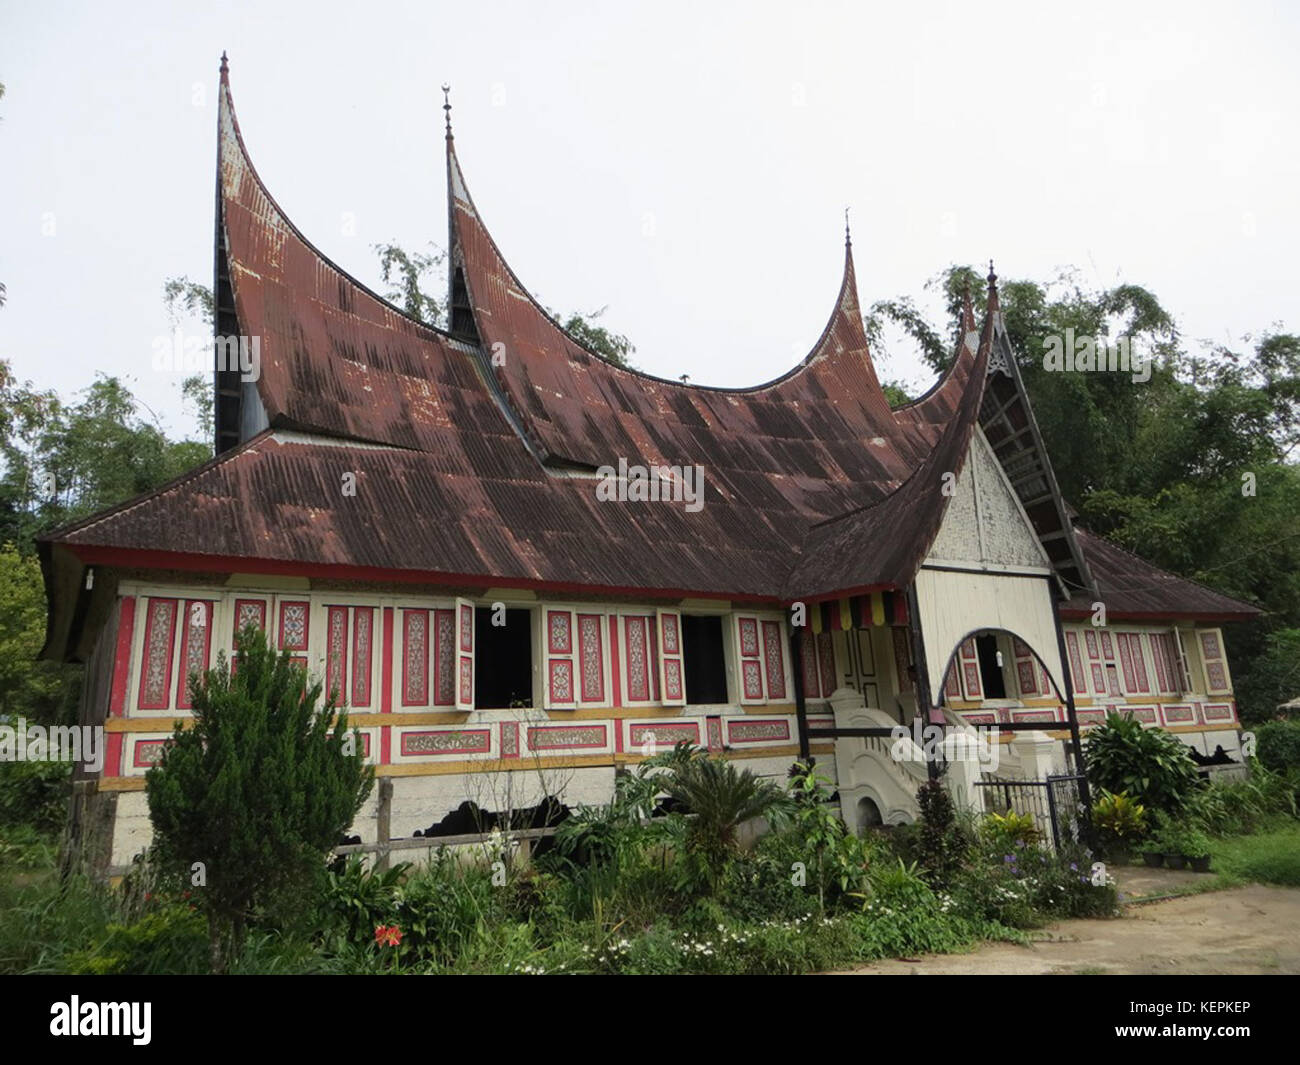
x: 684, y: 165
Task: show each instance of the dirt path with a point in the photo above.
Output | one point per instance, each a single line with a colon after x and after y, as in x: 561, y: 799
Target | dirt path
x: 1253, y: 929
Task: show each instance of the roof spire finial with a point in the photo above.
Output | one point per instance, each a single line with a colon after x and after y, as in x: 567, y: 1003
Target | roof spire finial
x: 224, y: 68
x: 993, y: 278
x: 446, y: 107
x: 848, y: 237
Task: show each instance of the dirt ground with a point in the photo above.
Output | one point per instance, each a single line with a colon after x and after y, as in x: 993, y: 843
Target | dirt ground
x: 1253, y: 929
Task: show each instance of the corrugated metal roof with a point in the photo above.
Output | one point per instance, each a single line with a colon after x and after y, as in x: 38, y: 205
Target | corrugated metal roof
x: 813, y: 486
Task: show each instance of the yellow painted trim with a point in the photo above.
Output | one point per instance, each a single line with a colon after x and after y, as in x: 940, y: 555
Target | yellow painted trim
x: 524, y: 763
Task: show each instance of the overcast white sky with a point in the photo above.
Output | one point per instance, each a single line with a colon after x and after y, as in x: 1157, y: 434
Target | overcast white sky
x: 686, y: 164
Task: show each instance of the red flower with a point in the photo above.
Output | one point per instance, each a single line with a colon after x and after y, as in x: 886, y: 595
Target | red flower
x: 388, y: 935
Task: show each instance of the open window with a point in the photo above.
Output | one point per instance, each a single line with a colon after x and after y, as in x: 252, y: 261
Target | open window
x: 706, y: 659
x: 509, y: 649
x: 992, y: 679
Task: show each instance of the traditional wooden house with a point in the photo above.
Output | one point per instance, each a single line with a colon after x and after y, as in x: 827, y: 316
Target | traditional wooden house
x: 449, y: 527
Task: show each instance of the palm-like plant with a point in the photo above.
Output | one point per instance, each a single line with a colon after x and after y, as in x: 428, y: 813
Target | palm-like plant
x: 720, y: 798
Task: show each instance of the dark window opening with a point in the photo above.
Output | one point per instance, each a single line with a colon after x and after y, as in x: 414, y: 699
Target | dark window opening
x: 503, y: 660
x: 706, y: 665
x: 995, y: 686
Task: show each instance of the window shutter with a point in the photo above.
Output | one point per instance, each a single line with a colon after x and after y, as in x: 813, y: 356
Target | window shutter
x: 293, y: 618
x: 641, y: 673
x: 774, y: 659
x: 951, y: 685
x: 591, y: 659
x: 363, y: 656
x: 464, y: 654
x: 826, y: 662
x: 672, y: 672
x: 156, y: 654
x: 415, y: 657
x: 970, y: 669
x: 1112, y: 674
x: 1026, y: 668
x: 336, y: 654
x: 812, y: 688
x: 749, y: 659
x: 1076, y: 663
x: 1214, y: 662
x: 1183, y: 676
x: 1160, y: 658
x: 196, y: 646
x: 561, y: 650
x: 1094, y: 663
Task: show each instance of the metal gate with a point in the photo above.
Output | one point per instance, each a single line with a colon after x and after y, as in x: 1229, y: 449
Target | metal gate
x: 1055, y: 804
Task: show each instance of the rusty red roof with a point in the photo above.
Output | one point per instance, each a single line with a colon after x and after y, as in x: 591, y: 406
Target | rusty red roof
x: 1131, y: 587
x: 474, y: 472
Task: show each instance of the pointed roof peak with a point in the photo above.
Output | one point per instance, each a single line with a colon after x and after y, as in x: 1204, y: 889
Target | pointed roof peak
x: 848, y: 236
x: 967, y: 310
x: 446, y: 107
x: 993, y: 289
x: 225, y: 65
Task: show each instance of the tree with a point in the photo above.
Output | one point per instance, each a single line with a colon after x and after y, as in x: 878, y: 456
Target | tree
x: 402, y: 273
x: 249, y: 801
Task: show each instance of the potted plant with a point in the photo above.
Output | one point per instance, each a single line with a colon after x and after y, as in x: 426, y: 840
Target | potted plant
x: 1195, y: 846
x: 1119, y: 821
x: 1171, y: 842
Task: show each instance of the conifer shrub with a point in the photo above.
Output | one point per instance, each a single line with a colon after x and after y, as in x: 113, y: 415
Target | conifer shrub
x: 248, y: 802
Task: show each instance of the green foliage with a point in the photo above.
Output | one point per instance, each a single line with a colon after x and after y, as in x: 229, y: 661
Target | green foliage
x: 1119, y: 820
x: 257, y: 791
x: 1003, y: 831
x: 1269, y: 857
x: 721, y: 798
x: 34, y: 794
x: 403, y: 272
x: 170, y: 940
x: 942, y: 844
x: 1279, y: 745
x: 1236, y: 807
x: 28, y: 688
x: 611, y: 346
x: 1153, y: 766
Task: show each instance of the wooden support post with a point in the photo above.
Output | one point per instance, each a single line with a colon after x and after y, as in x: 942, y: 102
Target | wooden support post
x: 800, y: 707
x: 384, y: 822
x: 922, y: 673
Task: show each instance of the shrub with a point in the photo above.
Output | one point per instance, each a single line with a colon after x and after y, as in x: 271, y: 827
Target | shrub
x: 1238, y: 806
x: 941, y: 844
x: 721, y: 798
x: 256, y: 794
x: 1119, y: 820
x: 170, y: 940
x: 1279, y: 745
x: 1149, y: 764
x: 1004, y: 831
x: 35, y: 794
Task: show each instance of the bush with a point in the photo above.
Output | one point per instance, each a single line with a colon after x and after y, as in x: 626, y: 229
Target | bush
x: 941, y: 844
x: 257, y: 792
x: 1119, y: 820
x: 1004, y: 831
x: 1279, y: 745
x: 1239, y: 806
x: 1149, y: 764
x: 34, y: 793
x: 171, y: 940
